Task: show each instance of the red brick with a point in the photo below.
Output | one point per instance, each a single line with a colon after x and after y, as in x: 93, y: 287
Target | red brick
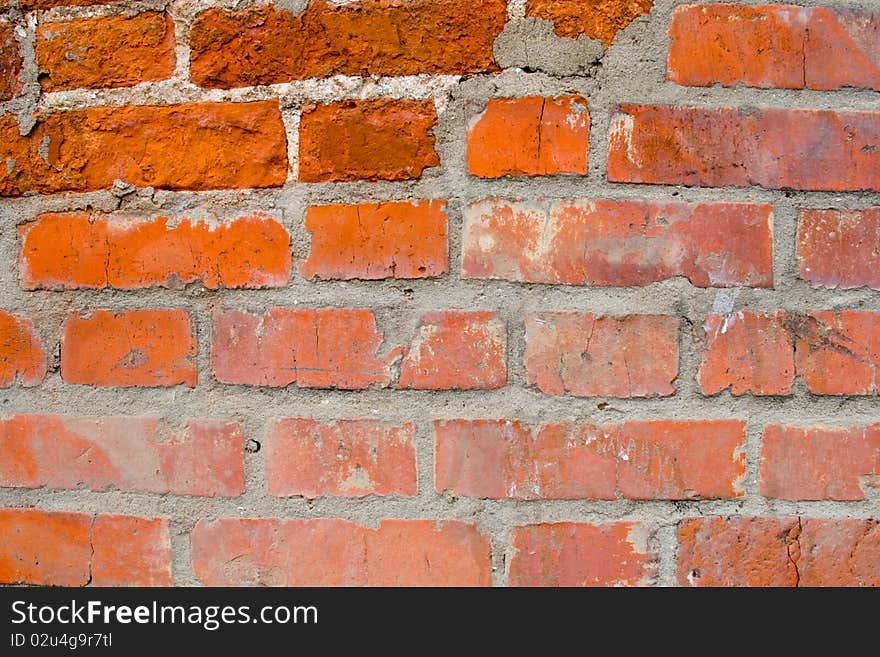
x: 835, y: 352
x: 579, y: 554
x: 532, y: 136
x: 600, y: 20
x: 838, y: 353
x: 743, y: 551
x: 774, y: 46
x: 331, y: 552
x: 130, y: 551
x: 457, y: 350
x: 314, y: 348
x: 44, y: 548
x: 738, y: 551
x: 21, y: 354
x: 818, y: 463
x: 502, y: 459
x: 198, y: 146
x: 838, y: 248
x: 839, y: 552
x: 746, y: 352
x: 124, y: 453
x: 775, y: 148
x: 10, y: 62
x: 135, y: 348
x: 588, y: 355
x: 74, y: 250
x: 370, y: 241
x: 367, y: 140
x: 49, y: 4
x: 113, y: 51
x: 619, y: 242
x: 265, y: 45
x: 346, y: 458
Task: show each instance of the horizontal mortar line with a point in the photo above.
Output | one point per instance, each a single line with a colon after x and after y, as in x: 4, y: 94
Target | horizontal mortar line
x: 425, y: 406
x: 372, y: 509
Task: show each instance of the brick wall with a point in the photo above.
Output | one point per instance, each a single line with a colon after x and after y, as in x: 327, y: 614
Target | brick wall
x: 439, y: 292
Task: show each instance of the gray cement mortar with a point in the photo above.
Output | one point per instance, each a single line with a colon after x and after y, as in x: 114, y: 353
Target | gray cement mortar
x: 536, y: 62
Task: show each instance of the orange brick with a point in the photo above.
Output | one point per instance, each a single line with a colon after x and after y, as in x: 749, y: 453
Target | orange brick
x: 579, y: 554
x: 124, y: 453
x: 818, y: 463
x: 43, y: 548
x: 460, y: 350
x: 619, y: 242
x: 589, y: 356
x: 502, y: 459
x: 367, y: 140
x: 197, y: 146
x: 10, y: 62
x: 774, y: 148
x: 72, y: 250
x: 746, y: 352
x: 346, y: 458
x: 838, y: 353
x: 774, y: 46
x: 598, y: 20
x: 839, y: 552
x: 331, y: 552
x: 531, y: 136
x: 21, y: 354
x: 266, y: 45
x: 838, y: 248
x: 738, y: 551
x: 370, y: 241
x: 130, y: 551
x: 315, y: 348
x: 113, y: 51
x: 135, y: 348
x: 743, y: 551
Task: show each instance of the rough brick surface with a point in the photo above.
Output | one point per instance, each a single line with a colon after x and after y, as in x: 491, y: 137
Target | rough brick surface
x: 367, y: 140
x: 746, y: 352
x: 314, y: 348
x: 818, y: 463
x: 738, y: 551
x: 503, y: 459
x: 607, y: 242
x: 838, y: 248
x: 765, y: 147
x: 780, y: 46
x: 130, y: 551
x: 463, y: 350
x: 330, y: 552
x: 197, y: 146
x: 835, y: 352
x: 44, y: 548
x: 600, y: 19
x: 377, y: 240
x: 532, y: 136
x: 10, y: 62
x: 140, y: 348
x: 589, y: 356
x: 125, y: 453
x: 265, y: 44
x: 72, y: 250
x: 579, y: 554
x: 743, y: 551
x: 838, y: 353
x: 115, y: 51
x: 22, y: 357
x: 345, y: 458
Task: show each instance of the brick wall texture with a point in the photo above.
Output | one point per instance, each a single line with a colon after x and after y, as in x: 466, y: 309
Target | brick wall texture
x: 439, y: 292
